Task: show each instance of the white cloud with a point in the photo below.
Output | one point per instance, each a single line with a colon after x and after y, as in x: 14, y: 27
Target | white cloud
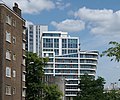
x: 93, y: 15
x: 32, y: 6
x: 105, y: 25
x: 60, y: 5
x: 100, y: 21
x: 36, y: 6
x: 69, y: 25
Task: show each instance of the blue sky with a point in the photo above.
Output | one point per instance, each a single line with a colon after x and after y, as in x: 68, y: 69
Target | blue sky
x: 96, y: 22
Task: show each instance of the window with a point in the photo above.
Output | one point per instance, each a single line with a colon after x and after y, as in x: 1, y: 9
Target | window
x: 8, y: 72
x: 64, y: 43
x: 48, y: 43
x: 23, y: 46
x: 8, y: 90
x: 56, y: 51
x: 64, y: 51
x: 23, y: 61
x: 8, y: 55
x: 8, y: 19
x: 56, y: 43
x: 72, y: 43
x: 8, y: 37
x: 14, y: 40
x: 23, y: 78
x: 14, y: 73
x: 23, y: 92
x: 14, y: 57
x: 14, y: 23
x: 24, y: 31
x: 72, y: 51
x: 14, y: 90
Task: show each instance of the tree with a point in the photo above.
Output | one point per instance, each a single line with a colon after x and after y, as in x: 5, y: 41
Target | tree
x: 52, y: 92
x: 112, y: 95
x: 91, y: 89
x: 35, y: 72
x: 112, y: 52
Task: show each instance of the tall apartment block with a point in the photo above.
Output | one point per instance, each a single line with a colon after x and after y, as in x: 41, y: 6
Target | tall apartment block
x: 12, y: 53
x: 33, y: 36
x: 66, y: 60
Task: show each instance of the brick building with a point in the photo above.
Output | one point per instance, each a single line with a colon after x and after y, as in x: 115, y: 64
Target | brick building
x: 12, y: 53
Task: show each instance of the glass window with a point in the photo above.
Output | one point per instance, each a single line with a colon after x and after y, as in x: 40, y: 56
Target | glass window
x: 23, y: 78
x: 14, y: 73
x: 56, y: 51
x: 56, y: 43
x: 52, y: 34
x: 72, y: 43
x: 24, y: 31
x: 47, y: 43
x: 8, y: 72
x: 64, y: 51
x: 23, y: 46
x: 8, y: 55
x: 8, y: 37
x: 14, y: 57
x: 23, y: 92
x: 64, y: 43
x: 8, y: 19
x: 14, y: 90
x: 14, y: 23
x: 24, y: 62
x: 14, y: 40
x: 72, y: 51
x: 8, y: 90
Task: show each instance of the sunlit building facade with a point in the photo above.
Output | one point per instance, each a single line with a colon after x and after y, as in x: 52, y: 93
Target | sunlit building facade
x: 33, y: 36
x: 12, y: 53
x: 66, y: 59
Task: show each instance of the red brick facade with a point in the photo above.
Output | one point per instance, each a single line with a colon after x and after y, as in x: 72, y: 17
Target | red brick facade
x: 12, y: 85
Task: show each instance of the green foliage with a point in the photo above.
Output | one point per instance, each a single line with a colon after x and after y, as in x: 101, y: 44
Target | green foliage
x: 34, y: 76
x: 52, y: 92
x: 91, y: 89
x: 35, y: 72
x: 113, y: 52
x: 113, y: 95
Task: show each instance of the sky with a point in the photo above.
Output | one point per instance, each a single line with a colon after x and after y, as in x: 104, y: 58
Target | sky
x: 96, y: 22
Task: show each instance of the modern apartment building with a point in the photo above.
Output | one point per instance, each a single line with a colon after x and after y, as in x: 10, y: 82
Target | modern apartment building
x: 33, y: 36
x: 66, y: 60
x: 12, y: 53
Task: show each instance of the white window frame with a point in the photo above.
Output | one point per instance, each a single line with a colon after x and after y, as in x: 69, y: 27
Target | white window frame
x: 14, y: 73
x: 8, y: 19
x: 8, y: 54
x: 23, y: 45
x: 14, y: 23
x: 23, y: 92
x: 8, y: 36
x: 14, y: 57
x: 14, y: 40
x: 8, y: 90
x: 8, y: 72
x: 14, y: 90
x: 23, y: 61
x: 23, y: 76
x: 24, y: 31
